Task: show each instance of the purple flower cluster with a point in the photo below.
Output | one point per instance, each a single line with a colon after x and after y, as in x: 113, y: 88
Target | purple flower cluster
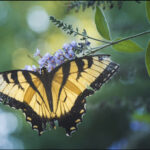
x: 69, y: 50
x: 51, y: 61
x: 139, y: 126
x: 30, y: 68
x: 121, y: 144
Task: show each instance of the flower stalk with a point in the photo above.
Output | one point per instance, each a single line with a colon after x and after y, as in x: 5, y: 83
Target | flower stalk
x: 116, y: 42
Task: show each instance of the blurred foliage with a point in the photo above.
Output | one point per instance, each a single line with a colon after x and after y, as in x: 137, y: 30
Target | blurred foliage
x: 148, y: 10
x: 111, y: 109
x: 147, y: 59
x: 93, y: 4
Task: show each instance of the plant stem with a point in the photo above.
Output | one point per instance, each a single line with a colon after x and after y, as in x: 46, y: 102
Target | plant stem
x: 32, y: 58
x: 116, y: 42
x: 91, y: 37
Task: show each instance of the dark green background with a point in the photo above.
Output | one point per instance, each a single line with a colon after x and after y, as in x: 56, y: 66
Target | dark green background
x: 126, y: 97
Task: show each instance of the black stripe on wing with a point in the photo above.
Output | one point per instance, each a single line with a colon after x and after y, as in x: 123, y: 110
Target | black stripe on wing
x: 29, y: 80
x: 80, y: 65
x: 66, y: 70
x: 5, y: 77
x: 90, y: 61
x: 14, y: 77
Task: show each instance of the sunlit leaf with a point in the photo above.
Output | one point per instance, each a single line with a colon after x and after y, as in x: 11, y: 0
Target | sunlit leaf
x: 127, y: 46
x: 143, y: 117
x: 148, y: 9
x: 147, y: 59
x: 101, y: 24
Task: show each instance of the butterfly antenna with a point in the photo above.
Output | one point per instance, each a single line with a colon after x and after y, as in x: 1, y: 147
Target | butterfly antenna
x: 15, y: 68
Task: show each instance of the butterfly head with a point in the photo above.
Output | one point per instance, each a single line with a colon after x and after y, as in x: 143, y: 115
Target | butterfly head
x: 43, y: 71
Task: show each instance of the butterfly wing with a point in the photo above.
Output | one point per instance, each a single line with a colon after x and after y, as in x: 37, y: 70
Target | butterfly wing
x: 58, y: 95
x: 24, y: 90
x: 70, y: 87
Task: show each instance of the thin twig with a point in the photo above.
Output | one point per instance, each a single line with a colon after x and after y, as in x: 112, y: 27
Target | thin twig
x: 32, y: 58
x: 91, y: 37
x: 116, y: 42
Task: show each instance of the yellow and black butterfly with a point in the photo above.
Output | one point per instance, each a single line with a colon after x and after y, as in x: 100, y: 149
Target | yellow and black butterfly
x: 56, y: 95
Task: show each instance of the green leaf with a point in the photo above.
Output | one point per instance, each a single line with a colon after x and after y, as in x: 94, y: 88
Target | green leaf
x: 143, y: 117
x: 101, y: 24
x: 147, y: 59
x: 127, y: 46
x: 148, y: 10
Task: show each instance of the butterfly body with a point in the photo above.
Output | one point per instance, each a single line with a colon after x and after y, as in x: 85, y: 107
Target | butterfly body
x: 57, y: 95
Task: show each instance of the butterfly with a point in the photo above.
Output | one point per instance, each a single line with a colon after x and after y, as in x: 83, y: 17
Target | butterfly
x: 59, y: 95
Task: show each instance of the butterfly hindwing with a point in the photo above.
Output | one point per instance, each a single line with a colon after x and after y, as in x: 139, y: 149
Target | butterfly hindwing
x: 70, y: 120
